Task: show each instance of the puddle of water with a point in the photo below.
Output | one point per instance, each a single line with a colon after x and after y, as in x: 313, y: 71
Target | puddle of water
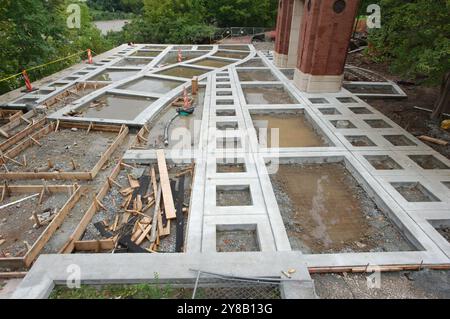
x: 152, y: 85
x: 231, y: 55
x: 382, y: 162
x: 428, y: 162
x: 183, y: 72
x: 267, y: 95
x: 325, y: 210
x: 133, y: 62
x: 110, y: 75
x: 116, y: 107
x: 213, y: 63
x: 415, y: 192
x: 172, y: 57
x: 151, y: 54
x: 294, y: 130
x: 256, y: 75
x: 253, y: 63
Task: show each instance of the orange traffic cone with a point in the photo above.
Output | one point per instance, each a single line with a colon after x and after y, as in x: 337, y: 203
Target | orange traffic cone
x: 187, y: 103
x: 89, y: 52
x: 180, y: 56
x: 27, y: 81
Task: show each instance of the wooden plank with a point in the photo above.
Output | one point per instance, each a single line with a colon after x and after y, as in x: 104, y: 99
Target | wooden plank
x: 94, y: 245
x: 169, y: 207
x: 13, y: 275
x: 155, y: 215
x: 433, y: 140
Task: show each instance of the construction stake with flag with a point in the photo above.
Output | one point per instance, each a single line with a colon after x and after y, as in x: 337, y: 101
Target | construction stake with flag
x: 89, y: 53
x: 186, y: 102
x: 27, y: 81
x: 180, y: 56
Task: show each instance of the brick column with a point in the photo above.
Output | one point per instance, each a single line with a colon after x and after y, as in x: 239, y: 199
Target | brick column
x: 284, y: 21
x: 325, y: 34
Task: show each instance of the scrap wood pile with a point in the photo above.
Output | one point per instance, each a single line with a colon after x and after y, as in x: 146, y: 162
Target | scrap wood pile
x: 149, y: 206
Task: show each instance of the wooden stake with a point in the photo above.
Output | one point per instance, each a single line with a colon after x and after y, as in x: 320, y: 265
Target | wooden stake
x: 57, y: 126
x: 74, y: 165
x: 35, y: 141
x: 36, y: 219
x: 50, y: 163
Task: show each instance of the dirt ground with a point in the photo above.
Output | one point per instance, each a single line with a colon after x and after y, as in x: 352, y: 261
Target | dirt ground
x: 402, y: 111
x: 330, y: 213
x: 426, y: 284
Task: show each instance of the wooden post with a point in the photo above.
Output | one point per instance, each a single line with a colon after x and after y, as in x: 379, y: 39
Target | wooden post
x: 194, y: 85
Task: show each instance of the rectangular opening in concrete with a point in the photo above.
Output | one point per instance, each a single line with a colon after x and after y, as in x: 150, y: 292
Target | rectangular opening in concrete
x: 253, y: 63
x: 428, y: 162
x: 234, y: 47
x: 172, y: 57
x: 224, y: 126
x: 224, y: 93
x: 225, y: 79
x: 325, y: 210
x: 329, y: 111
x: 442, y: 227
x: 230, y: 165
x: 318, y: 100
x: 378, y: 124
x: 346, y: 100
x: 268, y: 95
x: 342, y: 124
x: 234, y: 195
x: 237, y: 238
x: 138, y: 62
x: 73, y: 93
x: 256, y: 75
x: 154, y: 47
x: 289, y: 73
x: 446, y: 184
x: 360, y: 110
x: 113, y: 75
x: 214, y: 63
x: 286, y: 129
x: 382, y: 162
x: 225, y: 112
x: 151, y: 85
x: 231, y: 55
x: 224, y: 101
x: 183, y: 72
x: 360, y: 140
x: 146, y: 53
x: 228, y: 143
x: 385, y: 89
x: 399, y: 140
x: 223, y: 86
x: 415, y: 192
x: 113, y: 106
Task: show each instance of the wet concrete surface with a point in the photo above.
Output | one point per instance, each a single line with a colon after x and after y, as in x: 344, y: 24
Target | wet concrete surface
x: 267, y: 95
x: 152, y: 85
x: 110, y: 75
x: 183, y: 72
x: 325, y: 211
x: 256, y: 75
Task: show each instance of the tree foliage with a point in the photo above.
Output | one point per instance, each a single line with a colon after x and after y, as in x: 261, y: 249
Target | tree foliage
x: 414, y: 37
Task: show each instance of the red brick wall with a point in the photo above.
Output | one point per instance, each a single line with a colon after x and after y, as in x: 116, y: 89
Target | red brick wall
x: 284, y: 21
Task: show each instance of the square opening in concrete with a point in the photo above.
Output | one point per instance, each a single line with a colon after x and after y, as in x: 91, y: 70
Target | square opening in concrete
x: 267, y: 95
x: 183, y: 72
x: 151, y: 85
x: 446, y: 184
x: 256, y: 75
x: 213, y: 63
x: 234, y: 47
x: 234, y: 195
x: 113, y: 75
x: 253, y: 63
x: 223, y: 86
x: 225, y: 102
x: 399, y: 140
x: 318, y: 100
x: 428, y: 162
x: 225, y: 112
x: 230, y: 165
x: 289, y: 73
x: 325, y: 210
x: 232, y: 55
x: 236, y: 238
x: 141, y: 62
x: 342, y: 124
x: 329, y: 111
x: 225, y: 79
x: 360, y: 140
x: 378, y: 124
x: 228, y: 143
x: 442, y: 227
x: 146, y: 53
x: 360, y: 110
x: 224, y: 93
x: 415, y: 192
x: 382, y: 162
x: 285, y: 129
x: 113, y: 106
x: 225, y: 126
x: 346, y: 100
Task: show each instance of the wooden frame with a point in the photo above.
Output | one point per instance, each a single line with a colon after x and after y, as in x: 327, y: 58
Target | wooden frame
x: 16, y: 120
x: 53, y: 127
x: 75, y: 192
x: 141, y: 138
x: 70, y: 91
x: 13, y: 140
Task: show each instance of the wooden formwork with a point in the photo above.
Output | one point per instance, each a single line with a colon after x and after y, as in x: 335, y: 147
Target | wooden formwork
x: 74, y: 191
x: 33, y: 139
x: 72, y: 91
x: 18, y: 119
x: 13, y: 140
x: 141, y: 138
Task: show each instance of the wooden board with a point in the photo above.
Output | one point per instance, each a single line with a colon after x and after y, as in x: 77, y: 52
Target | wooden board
x: 95, y: 245
x: 169, y: 207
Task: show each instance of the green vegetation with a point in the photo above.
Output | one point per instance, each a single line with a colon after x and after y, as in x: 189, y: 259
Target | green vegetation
x: 414, y: 38
x: 141, y: 291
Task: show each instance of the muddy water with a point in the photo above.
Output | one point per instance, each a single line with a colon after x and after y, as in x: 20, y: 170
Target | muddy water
x: 294, y: 130
x: 172, y: 57
x: 152, y: 85
x: 133, y: 62
x: 253, y: 63
x: 213, y: 63
x: 256, y: 75
x: 113, y: 75
x: 415, y: 192
x: 325, y: 211
x: 231, y: 55
x: 267, y: 95
x: 117, y: 107
x: 183, y: 72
